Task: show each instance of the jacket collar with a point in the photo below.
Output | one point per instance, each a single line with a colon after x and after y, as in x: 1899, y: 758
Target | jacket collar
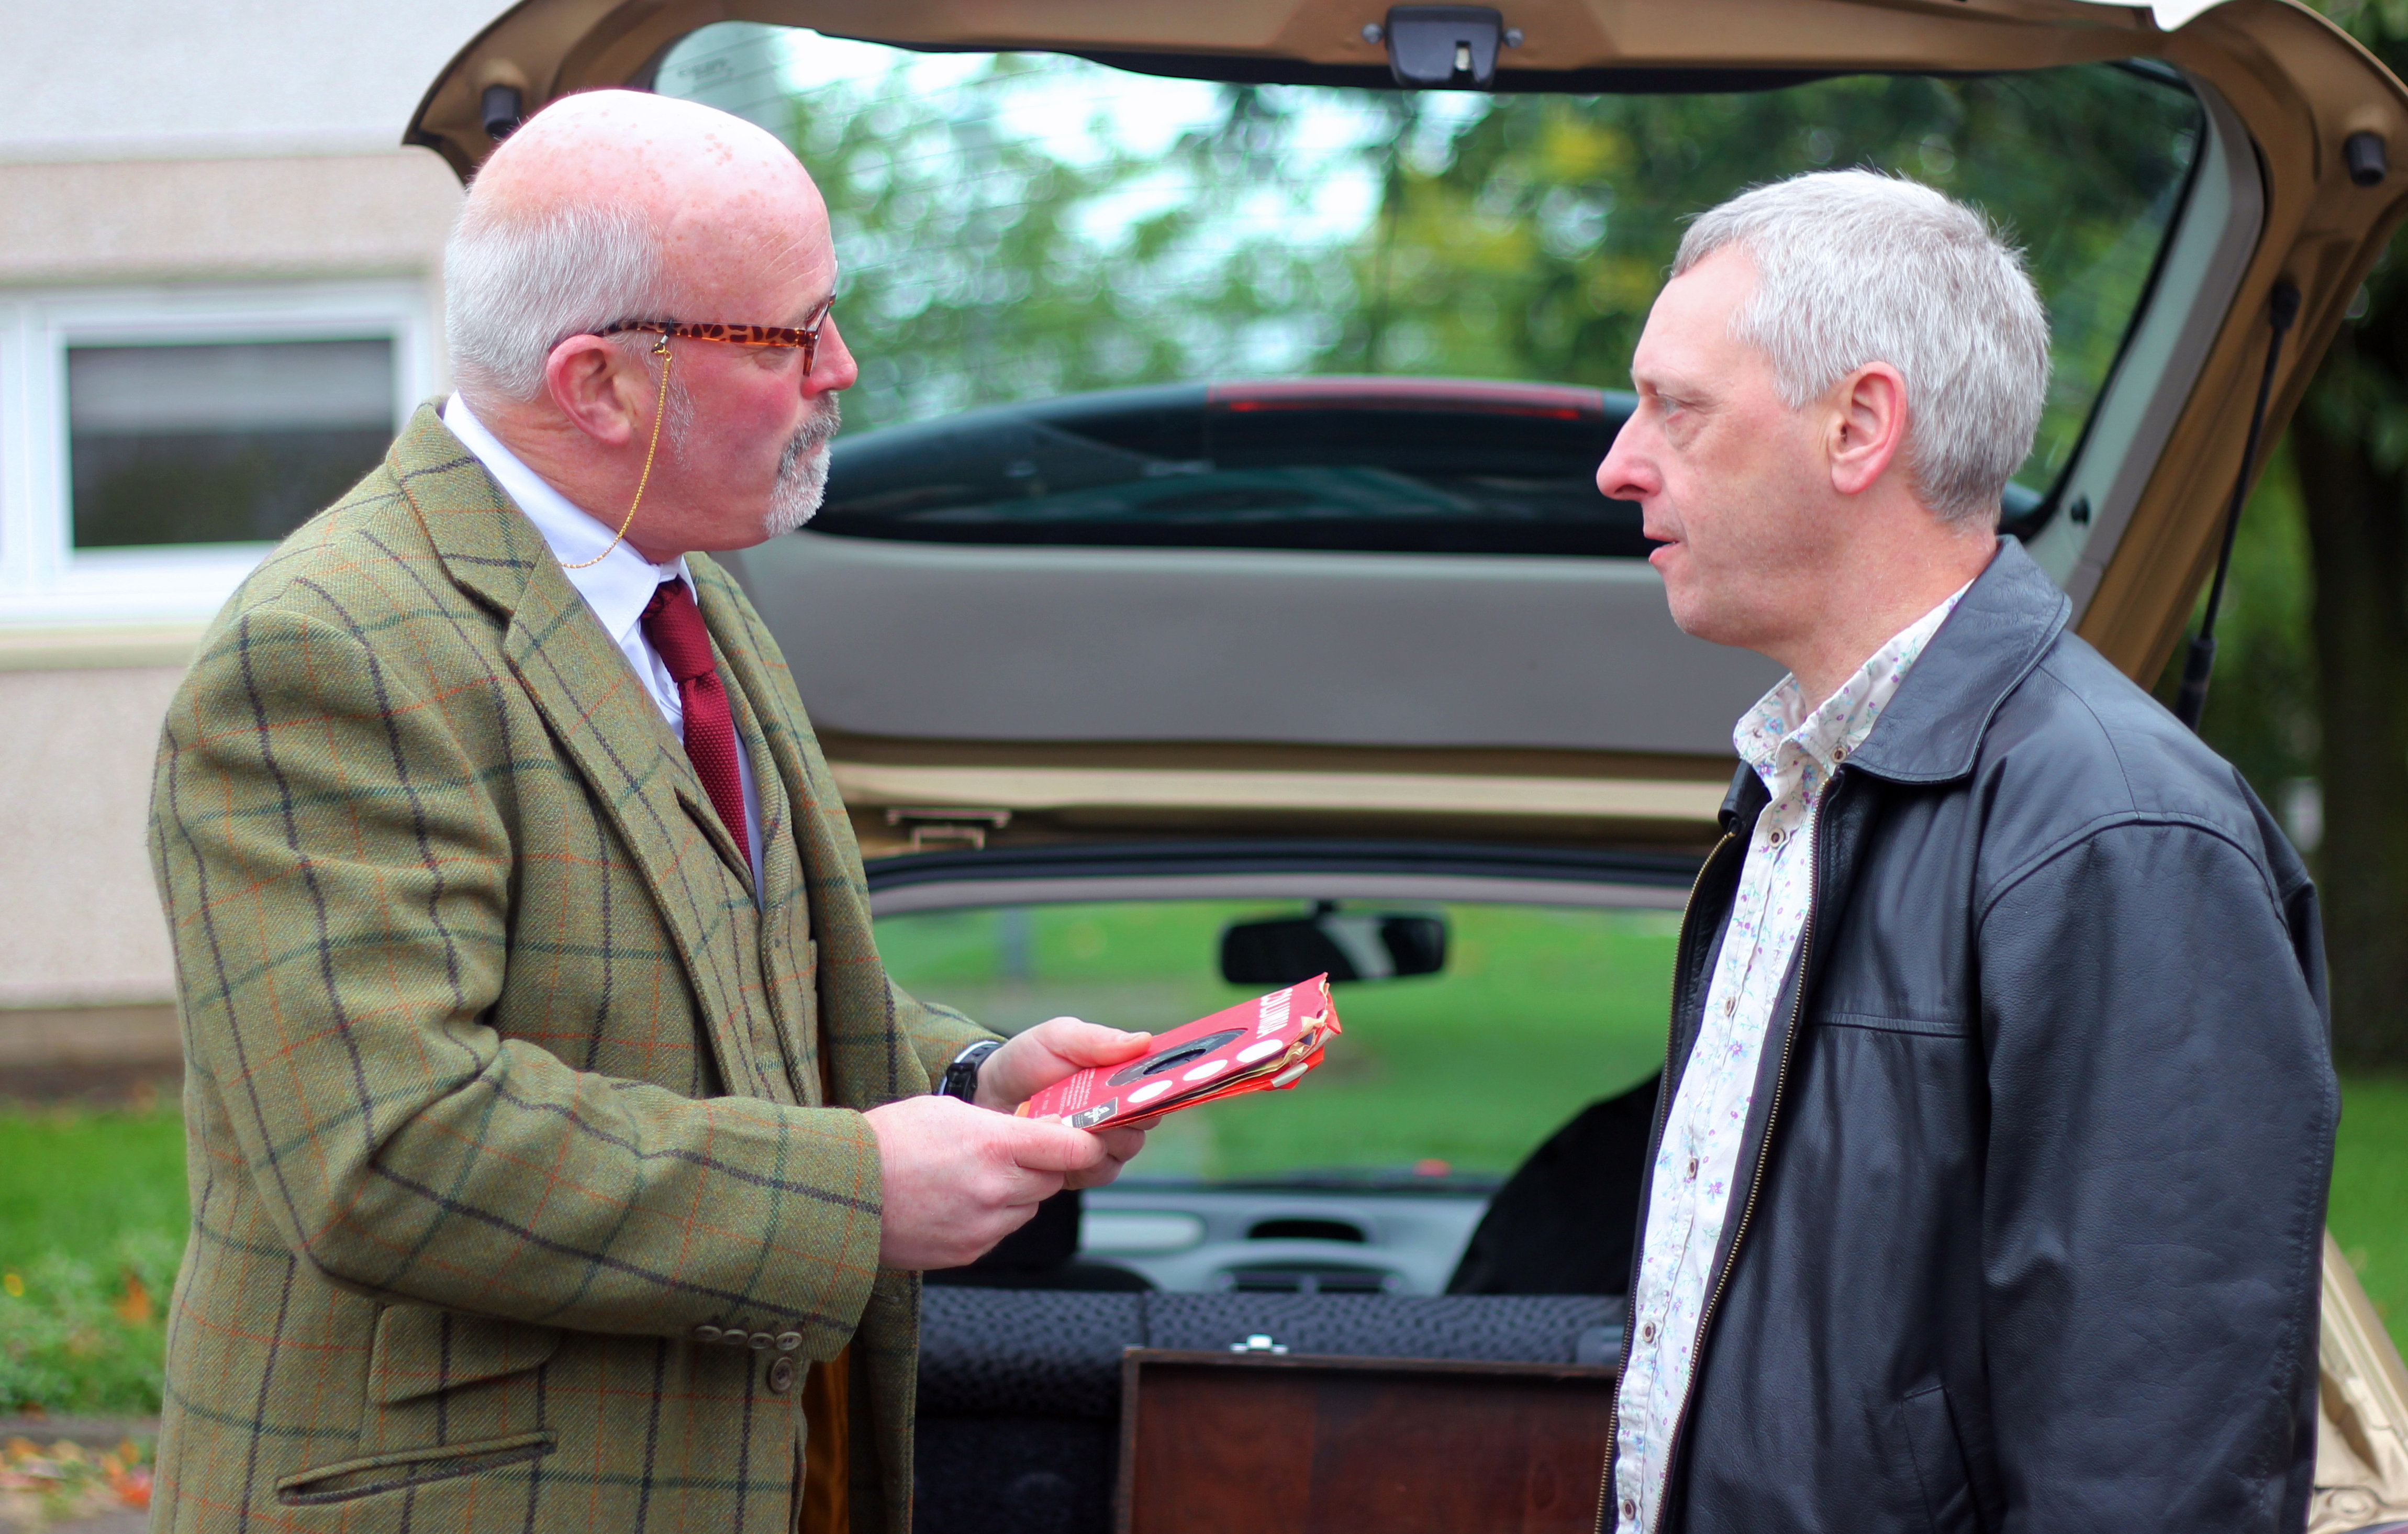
x: 1932, y: 728
x: 2001, y: 629
x: 487, y: 547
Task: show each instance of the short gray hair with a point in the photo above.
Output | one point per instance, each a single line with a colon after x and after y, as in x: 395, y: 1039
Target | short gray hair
x: 1854, y: 267
x: 518, y: 281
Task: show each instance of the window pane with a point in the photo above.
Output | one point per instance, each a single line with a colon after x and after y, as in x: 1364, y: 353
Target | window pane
x: 220, y: 443
x: 1405, y: 466
x: 1018, y: 228
x: 1540, y: 1010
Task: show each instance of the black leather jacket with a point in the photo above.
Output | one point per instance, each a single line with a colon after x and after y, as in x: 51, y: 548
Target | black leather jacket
x: 2031, y: 1207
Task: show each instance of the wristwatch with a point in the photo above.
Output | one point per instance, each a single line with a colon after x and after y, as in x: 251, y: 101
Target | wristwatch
x: 961, y: 1078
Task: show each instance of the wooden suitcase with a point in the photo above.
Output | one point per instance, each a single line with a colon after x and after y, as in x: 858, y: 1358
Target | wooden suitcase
x: 1257, y: 1442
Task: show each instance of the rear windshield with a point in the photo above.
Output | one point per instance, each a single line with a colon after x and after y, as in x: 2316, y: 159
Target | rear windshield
x: 1538, y: 1011
x: 1029, y: 241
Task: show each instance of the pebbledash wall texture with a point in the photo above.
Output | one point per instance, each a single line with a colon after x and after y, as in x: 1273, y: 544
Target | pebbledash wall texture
x: 220, y: 189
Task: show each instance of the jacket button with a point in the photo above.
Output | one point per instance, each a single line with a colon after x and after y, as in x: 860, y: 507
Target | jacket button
x: 760, y: 1342
x: 736, y: 1337
x: 789, y: 1341
x: 781, y: 1375
x: 706, y: 1334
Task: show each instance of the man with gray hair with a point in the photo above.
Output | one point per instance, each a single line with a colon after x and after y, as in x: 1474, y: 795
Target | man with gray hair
x: 562, y: 1156
x: 1987, y: 1183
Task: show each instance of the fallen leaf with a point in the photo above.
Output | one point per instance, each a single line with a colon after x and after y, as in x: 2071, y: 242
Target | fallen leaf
x: 133, y: 1306
x: 132, y: 1487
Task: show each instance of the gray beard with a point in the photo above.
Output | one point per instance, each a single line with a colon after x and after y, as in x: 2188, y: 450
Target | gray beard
x: 802, y: 464
x: 803, y: 470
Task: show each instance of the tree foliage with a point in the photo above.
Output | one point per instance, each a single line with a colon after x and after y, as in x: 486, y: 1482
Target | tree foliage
x: 1308, y: 230
x: 1535, y: 243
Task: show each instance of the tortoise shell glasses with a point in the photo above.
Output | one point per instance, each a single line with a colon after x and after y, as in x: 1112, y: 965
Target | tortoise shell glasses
x: 806, y: 336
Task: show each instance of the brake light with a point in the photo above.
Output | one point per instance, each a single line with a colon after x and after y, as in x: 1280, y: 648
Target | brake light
x: 1547, y: 401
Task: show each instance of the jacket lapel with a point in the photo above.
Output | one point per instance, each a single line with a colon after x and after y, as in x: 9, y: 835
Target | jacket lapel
x: 867, y: 1065
x: 762, y: 684
x: 598, y: 711
x: 787, y: 962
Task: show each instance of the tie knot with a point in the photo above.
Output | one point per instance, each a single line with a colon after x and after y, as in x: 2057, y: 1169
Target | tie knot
x: 674, y: 625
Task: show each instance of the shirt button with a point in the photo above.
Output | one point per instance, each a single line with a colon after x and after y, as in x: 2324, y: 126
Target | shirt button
x: 1731, y: 1005
x: 1693, y: 1167
x: 1647, y: 1332
x: 781, y: 1375
x: 1776, y: 839
x: 1630, y: 1510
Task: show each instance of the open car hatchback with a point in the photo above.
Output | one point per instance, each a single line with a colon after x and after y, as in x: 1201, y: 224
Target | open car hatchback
x: 1213, y: 581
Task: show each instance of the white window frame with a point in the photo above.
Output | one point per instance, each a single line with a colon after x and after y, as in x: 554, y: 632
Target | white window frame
x: 44, y: 578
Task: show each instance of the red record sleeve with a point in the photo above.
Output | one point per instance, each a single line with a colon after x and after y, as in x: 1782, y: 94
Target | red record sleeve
x: 1268, y: 1041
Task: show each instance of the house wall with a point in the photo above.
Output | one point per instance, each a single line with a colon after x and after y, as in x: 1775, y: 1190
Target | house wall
x: 148, y: 80
x: 237, y: 160
x: 83, y: 926
x: 216, y: 220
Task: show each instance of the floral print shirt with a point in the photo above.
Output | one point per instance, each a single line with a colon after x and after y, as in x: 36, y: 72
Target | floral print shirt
x: 1697, y: 1166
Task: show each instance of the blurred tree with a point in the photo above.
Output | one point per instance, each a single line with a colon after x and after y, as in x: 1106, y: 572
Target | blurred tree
x: 2262, y: 710
x: 2350, y: 448
x: 994, y: 264
x: 1000, y: 253
x: 1528, y: 237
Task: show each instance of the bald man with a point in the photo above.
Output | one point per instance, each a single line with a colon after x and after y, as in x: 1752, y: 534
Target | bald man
x: 561, y: 1154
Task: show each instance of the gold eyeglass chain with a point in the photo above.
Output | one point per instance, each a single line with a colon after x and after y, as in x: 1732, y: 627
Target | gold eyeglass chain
x: 660, y: 408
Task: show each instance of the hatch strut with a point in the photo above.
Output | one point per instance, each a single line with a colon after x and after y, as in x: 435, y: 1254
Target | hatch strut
x: 2191, y: 701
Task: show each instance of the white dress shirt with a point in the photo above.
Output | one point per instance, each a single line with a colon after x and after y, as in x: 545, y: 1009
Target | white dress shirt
x: 1697, y: 1166
x: 616, y: 590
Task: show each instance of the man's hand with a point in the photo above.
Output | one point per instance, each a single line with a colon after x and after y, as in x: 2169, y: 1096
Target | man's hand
x: 959, y: 1178
x: 1038, y: 1057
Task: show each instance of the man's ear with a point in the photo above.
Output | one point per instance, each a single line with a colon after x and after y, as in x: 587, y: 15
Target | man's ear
x: 599, y: 387
x: 1868, y: 426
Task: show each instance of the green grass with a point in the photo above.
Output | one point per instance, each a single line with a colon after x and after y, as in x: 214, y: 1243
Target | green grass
x: 2369, y: 1214
x: 92, y: 1215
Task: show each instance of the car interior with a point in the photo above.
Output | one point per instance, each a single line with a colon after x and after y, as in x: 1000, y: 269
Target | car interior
x: 1376, y: 1210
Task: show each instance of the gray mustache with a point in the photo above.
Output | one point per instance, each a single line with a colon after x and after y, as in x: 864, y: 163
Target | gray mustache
x: 811, y: 436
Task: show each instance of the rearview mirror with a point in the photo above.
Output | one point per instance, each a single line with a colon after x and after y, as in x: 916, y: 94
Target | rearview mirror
x: 1345, y: 945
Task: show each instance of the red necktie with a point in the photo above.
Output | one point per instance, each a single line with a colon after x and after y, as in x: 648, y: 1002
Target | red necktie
x: 673, y: 625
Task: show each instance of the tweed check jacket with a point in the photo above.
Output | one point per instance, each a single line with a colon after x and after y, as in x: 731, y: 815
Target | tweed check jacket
x: 504, y: 1094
